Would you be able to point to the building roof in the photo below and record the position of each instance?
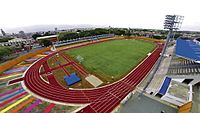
(17, 40)
(46, 37)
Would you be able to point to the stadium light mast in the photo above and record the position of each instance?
(172, 23)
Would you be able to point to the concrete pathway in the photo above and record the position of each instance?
(144, 104)
(196, 99)
(156, 83)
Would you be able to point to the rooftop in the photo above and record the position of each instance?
(138, 102)
(46, 37)
(179, 90)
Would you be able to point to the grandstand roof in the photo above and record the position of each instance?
(46, 37)
(188, 49)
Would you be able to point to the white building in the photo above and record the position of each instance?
(17, 41)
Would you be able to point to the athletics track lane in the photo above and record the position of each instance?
(107, 97)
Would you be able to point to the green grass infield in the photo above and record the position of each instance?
(113, 59)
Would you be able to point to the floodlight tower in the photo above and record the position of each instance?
(172, 23)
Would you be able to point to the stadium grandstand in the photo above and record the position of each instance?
(51, 37)
(185, 61)
(188, 49)
(178, 74)
(58, 43)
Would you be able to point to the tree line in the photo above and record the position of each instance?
(6, 51)
(175, 36)
(79, 33)
(5, 39)
(97, 31)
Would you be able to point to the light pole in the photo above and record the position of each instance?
(172, 23)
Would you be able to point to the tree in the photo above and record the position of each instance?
(67, 35)
(159, 37)
(48, 33)
(34, 36)
(5, 39)
(128, 33)
(118, 31)
(74, 35)
(5, 51)
(177, 35)
(45, 42)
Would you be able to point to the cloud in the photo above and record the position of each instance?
(121, 13)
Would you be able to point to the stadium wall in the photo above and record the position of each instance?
(11, 63)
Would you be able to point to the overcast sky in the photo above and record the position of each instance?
(116, 13)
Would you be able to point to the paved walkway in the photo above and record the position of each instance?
(156, 83)
(196, 99)
(144, 104)
(15, 55)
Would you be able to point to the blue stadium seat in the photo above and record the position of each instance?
(188, 49)
(165, 86)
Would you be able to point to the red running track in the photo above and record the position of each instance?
(76, 65)
(62, 67)
(55, 68)
(50, 76)
(100, 100)
(48, 109)
(15, 80)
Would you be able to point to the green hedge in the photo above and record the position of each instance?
(5, 39)
(5, 51)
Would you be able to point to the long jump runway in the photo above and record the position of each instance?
(100, 100)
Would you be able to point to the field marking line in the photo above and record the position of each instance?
(49, 108)
(10, 76)
(9, 92)
(29, 109)
(12, 99)
(22, 105)
(12, 95)
(15, 104)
